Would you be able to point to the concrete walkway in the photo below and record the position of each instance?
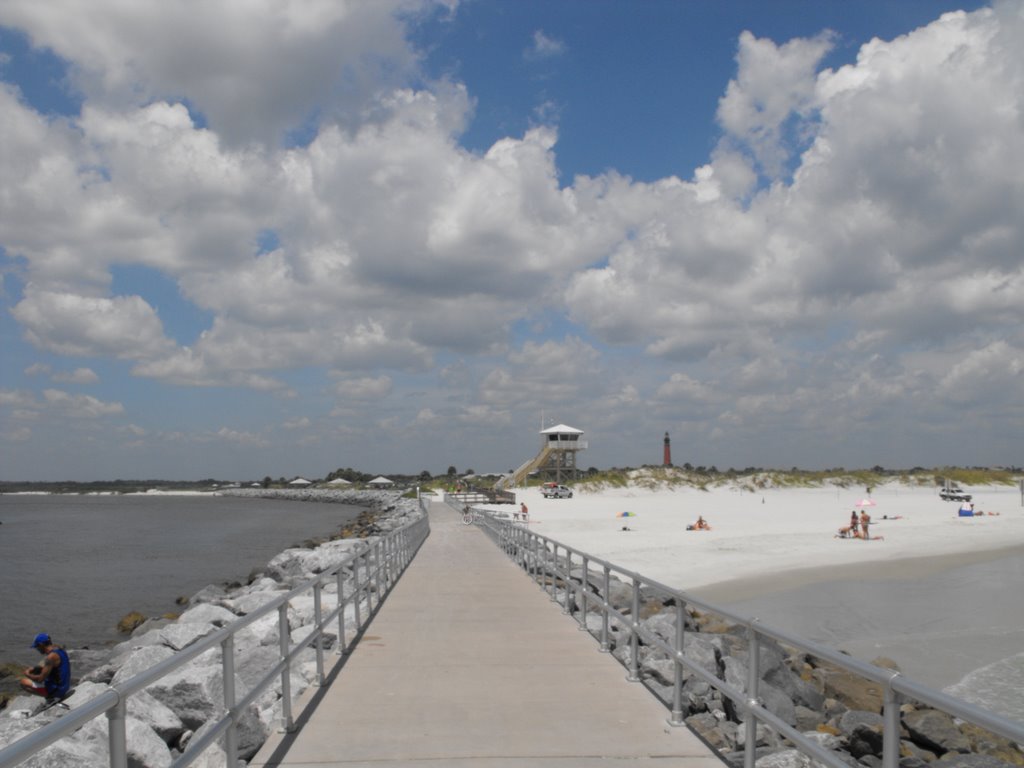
(469, 663)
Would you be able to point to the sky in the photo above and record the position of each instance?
(282, 237)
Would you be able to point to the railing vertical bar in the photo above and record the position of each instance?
(891, 727)
(634, 639)
(583, 592)
(605, 605)
(567, 583)
(357, 591)
(753, 676)
(341, 612)
(287, 724)
(227, 665)
(117, 734)
(318, 627)
(677, 682)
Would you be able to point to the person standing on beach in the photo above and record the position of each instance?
(865, 521)
(52, 678)
(524, 512)
(854, 524)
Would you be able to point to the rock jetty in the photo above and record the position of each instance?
(163, 719)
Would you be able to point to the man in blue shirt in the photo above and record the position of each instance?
(52, 678)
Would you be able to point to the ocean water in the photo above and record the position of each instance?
(959, 629)
(1001, 682)
(74, 565)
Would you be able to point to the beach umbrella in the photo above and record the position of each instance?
(866, 503)
(626, 514)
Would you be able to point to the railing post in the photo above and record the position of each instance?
(341, 612)
(319, 629)
(116, 735)
(287, 724)
(389, 559)
(753, 677)
(552, 568)
(677, 683)
(634, 640)
(583, 592)
(227, 665)
(605, 606)
(357, 597)
(378, 577)
(567, 583)
(891, 726)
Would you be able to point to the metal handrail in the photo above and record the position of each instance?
(376, 566)
(541, 555)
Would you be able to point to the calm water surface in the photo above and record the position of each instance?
(74, 565)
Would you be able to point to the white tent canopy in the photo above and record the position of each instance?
(381, 481)
(338, 481)
(300, 481)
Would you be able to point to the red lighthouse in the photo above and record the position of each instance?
(668, 451)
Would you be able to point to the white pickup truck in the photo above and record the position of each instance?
(954, 494)
(552, 491)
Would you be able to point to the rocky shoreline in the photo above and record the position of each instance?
(840, 711)
(164, 718)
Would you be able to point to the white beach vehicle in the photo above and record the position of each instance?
(553, 491)
(951, 493)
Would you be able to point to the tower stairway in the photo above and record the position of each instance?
(518, 477)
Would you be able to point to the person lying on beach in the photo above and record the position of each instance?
(700, 525)
(979, 513)
(848, 532)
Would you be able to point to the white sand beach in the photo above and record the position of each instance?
(766, 536)
(931, 589)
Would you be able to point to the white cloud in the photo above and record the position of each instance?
(77, 376)
(254, 70)
(18, 435)
(773, 83)
(80, 406)
(16, 398)
(365, 388)
(124, 327)
(543, 46)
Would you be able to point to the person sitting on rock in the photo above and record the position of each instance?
(52, 678)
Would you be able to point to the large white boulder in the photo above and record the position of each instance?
(139, 660)
(209, 613)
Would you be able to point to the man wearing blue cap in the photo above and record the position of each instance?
(52, 678)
